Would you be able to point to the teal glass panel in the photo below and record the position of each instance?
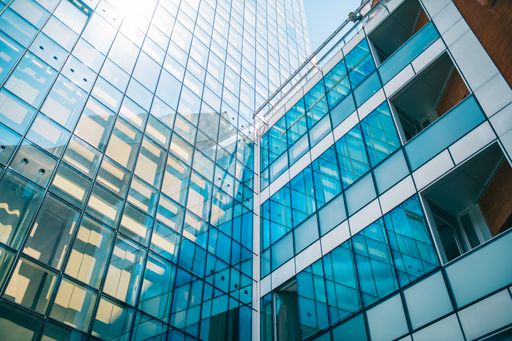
(359, 63)
(391, 171)
(352, 157)
(11, 52)
(312, 300)
(19, 200)
(337, 84)
(327, 180)
(380, 134)
(14, 112)
(156, 293)
(374, 262)
(412, 247)
(332, 214)
(342, 110)
(281, 251)
(280, 213)
(367, 88)
(302, 196)
(418, 43)
(443, 132)
(9, 140)
(352, 330)
(306, 233)
(17, 28)
(296, 122)
(341, 283)
(360, 194)
(31, 80)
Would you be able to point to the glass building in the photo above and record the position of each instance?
(385, 189)
(183, 169)
(126, 163)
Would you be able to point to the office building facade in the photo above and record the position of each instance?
(385, 181)
(126, 177)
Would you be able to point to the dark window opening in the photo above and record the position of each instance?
(472, 204)
(429, 96)
(402, 24)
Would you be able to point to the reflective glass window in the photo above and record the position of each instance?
(359, 63)
(352, 157)
(17, 324)
(124, 273)
(151, 162)
(30, 285)
(52, 232)
(375, 269)
(165, 242)
(31, 80)
(11, 52)
(95, 124)
(112, 320)
(82, 156)
(104, 206)
(380, 134)
(15, 113)
(302, 196)
(33, 163)
(136, 224)
(70, 185)
(156, 292)
(9, 140)
(73, 305)
(326, 177)
(64, 103)
(17, 27)
(88, 257)
(337, 83)
(124, 144)
(48, 135)
(13, 226)
(176, 179)
(113, 177)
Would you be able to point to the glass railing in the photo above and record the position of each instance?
(408, 52)
(449, 128)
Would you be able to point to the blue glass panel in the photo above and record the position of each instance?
(341, 111)
(316, 103)
(280, 213)
(359, 63)
(332, 214)
(367, 88)
(298, 149)
(352, 157)
(360, 194)
(337, 83)
(413, 251)
(326, 177)
(380, 135)
(156, 293)
(407, 52)
(375, 269)
(391, 171)
(281, 251)
(302, 196)
(341, 283)
(449, 128)
(306, 233)
(16, 27)
(296, 122)
(11, 52)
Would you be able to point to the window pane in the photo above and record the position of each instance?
(95, 124)
(150, 162)
(52, 232)
(156, 294)
(136, 224)
(15, 113)
(31, 80)
(73, 305)
(143, 196)
(30, 285)
(25, 202)
(326, 176)
(124, 144)
(112, 320)
(11, 51)
(48, 135)
(82, 156)
(113, 177)
(9, 140)
(124, 271)
(6, 259)
(64, 103)
(16, 324)
(91, 247)
(165, 242)
(352, 156)
(380, 134)
(71, 185)
(33, 163)
(176, 179)
(104, 206)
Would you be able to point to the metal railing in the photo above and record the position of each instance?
(319, 57)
